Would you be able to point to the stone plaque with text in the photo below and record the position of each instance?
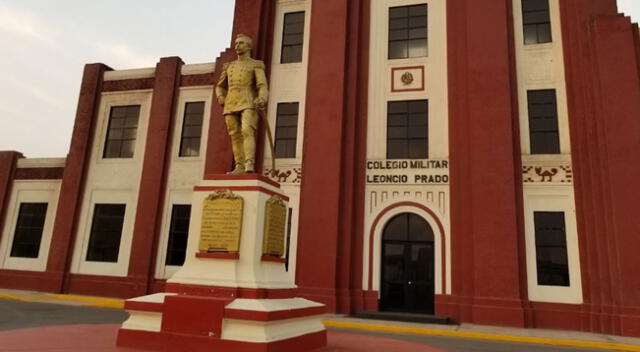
(221, 222)
(275, 218)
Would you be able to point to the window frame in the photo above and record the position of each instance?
(546, 24)
(22, 231)
(299, 56)
(89, 257)
(544, 274)
(172, 234)
(279, 129)
(183, 138)
(111, 129)
(541, 145)
(407, 154)
(408, 30)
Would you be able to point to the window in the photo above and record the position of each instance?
(178, 234)
(536, 21)
(551, 248)
(408, 31)
(121, 134)
(292, 37)
(543, 122)
(407, 130)
(106, 230)
(26, 241)
(286, 130)
(192, 129)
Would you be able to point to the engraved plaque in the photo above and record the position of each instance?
(221, 222)
(275, 218)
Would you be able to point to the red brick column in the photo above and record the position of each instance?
(319, 238)
(484, 187)
(603, 91)
(8, 161)
(157, 156)
(72, 186)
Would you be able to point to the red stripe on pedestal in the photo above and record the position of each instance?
(241, 314)
(240, 189)
(270, 258)
(256, 177)
(238, 292)
(231, 256)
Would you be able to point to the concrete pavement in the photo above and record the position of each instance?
(343, 323)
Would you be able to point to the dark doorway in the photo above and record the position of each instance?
(407, 280)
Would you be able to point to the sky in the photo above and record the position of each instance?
(45, 44)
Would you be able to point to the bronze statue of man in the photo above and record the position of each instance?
(242, 90)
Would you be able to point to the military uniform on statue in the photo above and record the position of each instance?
(242, 89)
(233, 291)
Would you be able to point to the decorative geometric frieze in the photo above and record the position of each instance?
(547, 173)
(291, 174)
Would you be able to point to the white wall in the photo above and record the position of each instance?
(384, 75)
(184, 172)
(112, 181)
(29, 191)
(288, 84)
(541, 66)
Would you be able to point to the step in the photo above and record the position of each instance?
(404, 317)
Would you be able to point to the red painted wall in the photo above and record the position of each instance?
(485, 264)
(603, 88)
(157, 155)
(319, 219)
(8, 161)
(73, 179)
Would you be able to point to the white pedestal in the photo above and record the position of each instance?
(227, 301)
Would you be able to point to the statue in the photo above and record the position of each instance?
(243, 92)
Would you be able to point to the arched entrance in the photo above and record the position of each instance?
(407, 277)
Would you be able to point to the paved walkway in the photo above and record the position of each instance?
(464, 331)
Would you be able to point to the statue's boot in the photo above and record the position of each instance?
(238, 153)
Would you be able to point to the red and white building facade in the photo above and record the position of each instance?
(475, 160)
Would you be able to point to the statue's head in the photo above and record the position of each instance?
(243, 44)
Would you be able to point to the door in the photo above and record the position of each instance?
(407, 282)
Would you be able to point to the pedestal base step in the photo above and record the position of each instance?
(405, 317)
(174, 322)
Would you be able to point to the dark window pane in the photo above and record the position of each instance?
(28, 234)
(397, 228)
(551, 249)
(407, 130)
(292, 37)
(543, 122)
(536, 21)
(408, 31)
(400, 34)
(419, 229)
(417, 47)
(178, 234)
(286, 130)
(106, 231)
(544, 33)
(192, 129)
(122, 132)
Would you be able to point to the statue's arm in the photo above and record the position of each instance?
(222, 85)
(261, 83)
